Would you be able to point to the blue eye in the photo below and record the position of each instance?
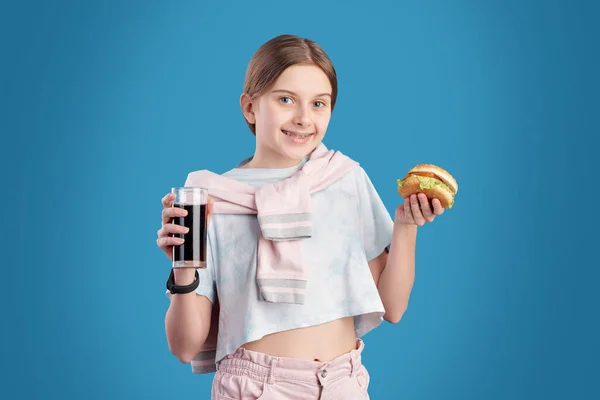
(284, 98)
(321, 104)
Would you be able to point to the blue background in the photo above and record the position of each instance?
(106, 105)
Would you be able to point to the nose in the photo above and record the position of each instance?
(302, 117)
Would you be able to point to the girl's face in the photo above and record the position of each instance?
(291, 118)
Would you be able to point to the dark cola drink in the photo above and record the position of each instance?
(192, 253)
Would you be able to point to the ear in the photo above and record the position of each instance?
(247, 108)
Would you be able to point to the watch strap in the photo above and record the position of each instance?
(175, 289)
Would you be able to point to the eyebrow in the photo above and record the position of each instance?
(295, 94)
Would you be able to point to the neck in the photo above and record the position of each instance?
(260, 160)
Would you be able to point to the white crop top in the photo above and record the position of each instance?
(351, 226)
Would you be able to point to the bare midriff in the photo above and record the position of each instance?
(321, 342)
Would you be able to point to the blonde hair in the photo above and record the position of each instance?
(280, 53)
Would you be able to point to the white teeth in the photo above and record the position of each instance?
(295, 135)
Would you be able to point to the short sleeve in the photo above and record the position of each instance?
(377, 225)
(207, 285)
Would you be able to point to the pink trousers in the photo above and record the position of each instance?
(249, 375)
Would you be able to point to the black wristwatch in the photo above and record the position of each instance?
(174, 289)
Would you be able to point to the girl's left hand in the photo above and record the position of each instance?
(416, 210)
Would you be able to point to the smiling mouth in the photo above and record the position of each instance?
(297, 135)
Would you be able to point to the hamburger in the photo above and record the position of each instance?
(433, 181)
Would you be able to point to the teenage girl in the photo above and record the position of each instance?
(358, 263)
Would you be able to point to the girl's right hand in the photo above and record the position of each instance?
(165, 239)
